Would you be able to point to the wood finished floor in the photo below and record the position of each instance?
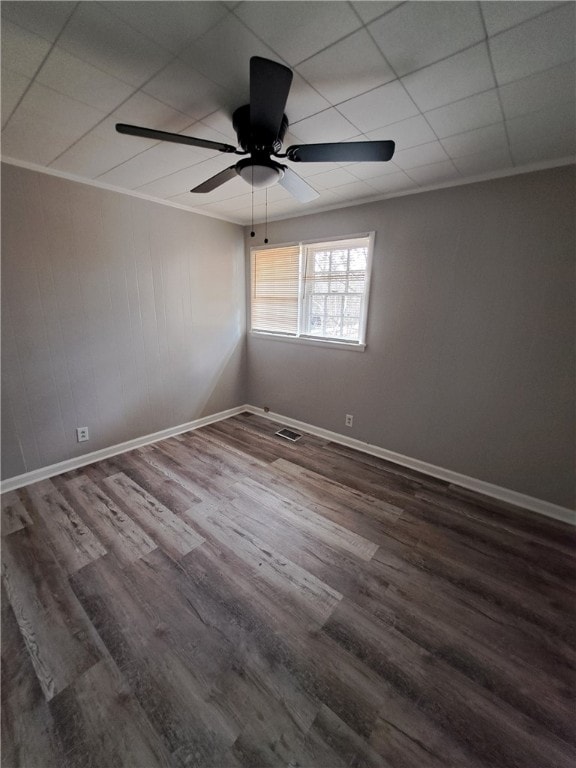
(225, 598)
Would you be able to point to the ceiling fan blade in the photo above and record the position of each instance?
(342, 152)
(269, 87)
(177, 138)
(297, 187)
(216, 181)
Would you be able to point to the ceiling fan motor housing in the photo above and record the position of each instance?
(250, 138)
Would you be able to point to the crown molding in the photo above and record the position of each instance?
(504, 173)
(110, 188)
(540, 166)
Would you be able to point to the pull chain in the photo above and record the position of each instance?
(266, 218)
(252, 233)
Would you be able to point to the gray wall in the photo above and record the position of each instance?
(118, 314)
(470, 356)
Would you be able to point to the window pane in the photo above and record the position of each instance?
(337, 286)
(339, 261)
(352, 306)
(319, 286)
(322, 261)
(356, 285)
(358, 258)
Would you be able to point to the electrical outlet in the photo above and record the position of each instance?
(349, 420)
(82, 434)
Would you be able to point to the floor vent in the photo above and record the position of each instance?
(288, 434)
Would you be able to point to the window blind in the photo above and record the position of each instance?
(275, 289)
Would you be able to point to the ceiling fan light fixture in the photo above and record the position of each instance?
(261, 175)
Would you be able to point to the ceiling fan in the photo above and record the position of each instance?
(260, 127)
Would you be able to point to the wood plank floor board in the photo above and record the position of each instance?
(54, 627)
(160, 522)
(201, 485)
(448, 697)
(225, 599)
(14, 514)
(73, 543)
(499, 542)
(468, 648)
(433, 580)
(339, 569)
(423, 595)
(362, 478)
(555, 620)
(215, 596)
(549, 593)
(99, 702)
(299, 591)
(28, 733)
(521, 522)
(320, 527)
(171, 691)
(117, 530)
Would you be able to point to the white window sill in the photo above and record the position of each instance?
(326, 343)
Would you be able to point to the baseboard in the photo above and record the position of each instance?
(455, 478)
(44, 473)
(480, 486)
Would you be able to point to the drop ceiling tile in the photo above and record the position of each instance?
(81, 81)
(544, 90)
(325, 126)
(329, 179)
(425, 154)
(303, 100)
(283, 208)
(491, 138)
(384, 105)
(306, 170)
(201, 131)
(417, 34)
(45, 124)
(173, 25)
(22, 51)
(152, 164)
(466, 114)
(367, 171)
(93, 155)
(102, 149)
(141, 109)
(543, 135)
(406, 133)
(103, 40)
(223, 56)
(186, 90)
(13, 87)
(504, 14)
(393, 182)
(356, 190)
(528, 48)
(434, 173)
(296, 31)
(368, 10)
(348, 68)
(463, 74)
(221, 121)
(235, 188)
(182, 181)
(483, 162)
(42, 18)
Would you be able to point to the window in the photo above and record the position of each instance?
(312, 290)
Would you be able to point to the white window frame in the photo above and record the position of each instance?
(302, 338)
